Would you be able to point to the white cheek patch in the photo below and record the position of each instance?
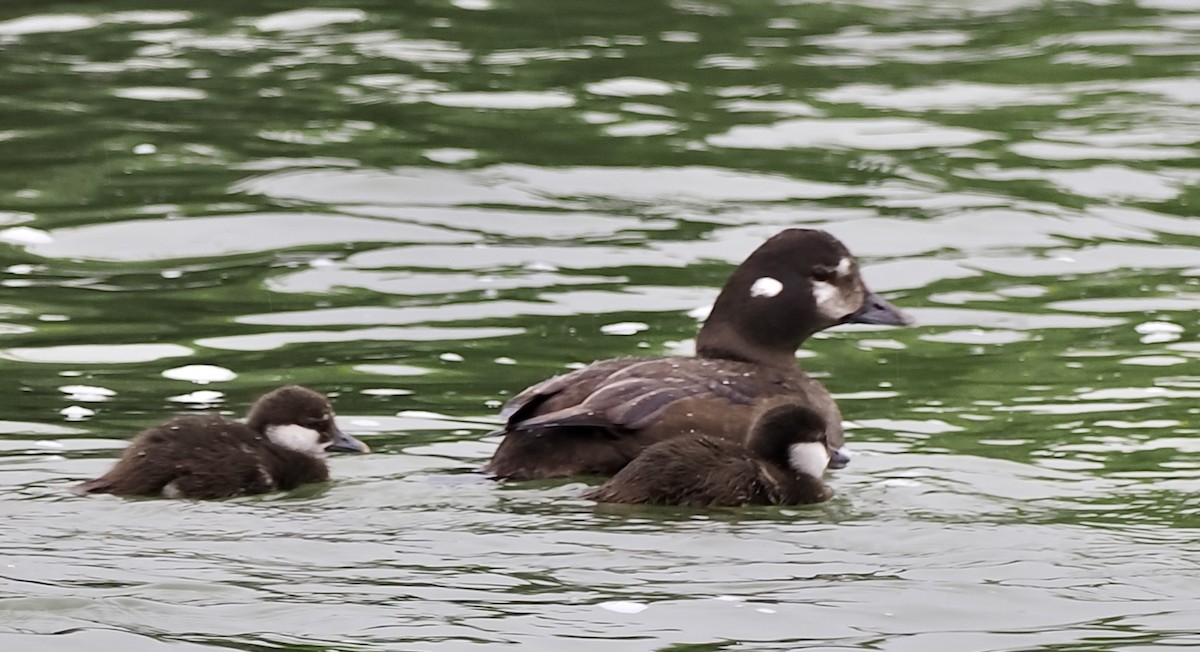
(824, 293)
(297, 438)
(809, 458)
(831, 301)
(843, 267)
(766, 287)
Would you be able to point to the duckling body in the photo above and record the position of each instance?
(780, 463)
(597, 419)
(281, 447)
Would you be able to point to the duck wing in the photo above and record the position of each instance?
(628, 404)
(563, 390)
(633, 402)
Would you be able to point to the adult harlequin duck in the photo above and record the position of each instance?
(280, 447)
(596, 419)
(780, 463)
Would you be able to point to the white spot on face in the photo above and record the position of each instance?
(766, 287)
(843, 267)
(831, 302)
(297, 438)
(824, 293)
(809, 458)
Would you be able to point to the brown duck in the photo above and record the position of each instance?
(597, 419)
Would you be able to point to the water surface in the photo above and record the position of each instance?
(423, 208)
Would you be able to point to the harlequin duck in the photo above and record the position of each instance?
(280, 447)
(598, 418)
(780, 463)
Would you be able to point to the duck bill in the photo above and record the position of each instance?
(343, 443)
(876, 310)
(839, 458)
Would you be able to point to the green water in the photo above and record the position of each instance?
(422, 207)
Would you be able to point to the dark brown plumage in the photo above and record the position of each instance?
(596, 419)
(207, 456)
(767, 469)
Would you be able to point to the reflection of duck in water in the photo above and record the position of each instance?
(280, 447)
(781, 463)
(595, 420)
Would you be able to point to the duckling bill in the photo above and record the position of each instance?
(781, 463)
(280, 447)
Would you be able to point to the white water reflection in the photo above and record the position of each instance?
(522, 185)
(87, 393)
(643, 129)
(1155, 360)
(416, 283)
(1077, 408)
(509, 100)
(956, 97)
(778, 107)
(24, 235)
(429, 54)
(201, 398)
(160, 93)
(632, 87)
(1093, 260)
(97, 354)
(977, 336)
(38, 429)
(46, 23)
(867, 134)
(203, 237)
(701, 184)
(861, 38)
(270, 341)
(513, 223)
(450, 155)
(1115, 181)
(410, 186)
(201, 374)
(1052, 151)
(307, 19)
(490, 258)
(580, 302)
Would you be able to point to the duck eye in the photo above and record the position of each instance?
(824, 273)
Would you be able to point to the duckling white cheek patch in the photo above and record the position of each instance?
(809, 458)
(766, 287)
(298, 438)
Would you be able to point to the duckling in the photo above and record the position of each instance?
(280, 447)
(781, 463)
